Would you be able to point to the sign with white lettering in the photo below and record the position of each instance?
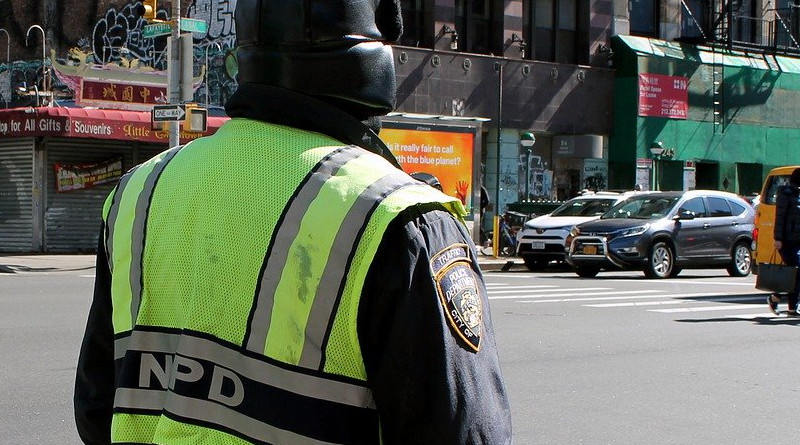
(82, 176)
(663, 96)
(166, 113)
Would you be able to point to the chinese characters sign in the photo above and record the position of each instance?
(81, 176)
(121, 95)
(663, 96)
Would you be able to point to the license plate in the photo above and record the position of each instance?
(590, 250)
(538, 245)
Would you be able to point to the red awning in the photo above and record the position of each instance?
(91, 123)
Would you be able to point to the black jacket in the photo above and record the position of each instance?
(787, 214)
(429, 386)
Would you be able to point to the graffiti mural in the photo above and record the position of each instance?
(118, 35)
(215, 48)
(219, 16)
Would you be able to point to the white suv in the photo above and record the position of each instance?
(542, 239)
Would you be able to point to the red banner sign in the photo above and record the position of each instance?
(95, 124)
(82, 176)
(663, 96)
(121, 95)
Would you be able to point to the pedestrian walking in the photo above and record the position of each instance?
(787, 237)
(282, 281)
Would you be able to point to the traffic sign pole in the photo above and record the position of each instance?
(174, 72)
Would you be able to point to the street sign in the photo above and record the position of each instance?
(193, 25)
(166, 113)
(156, 29)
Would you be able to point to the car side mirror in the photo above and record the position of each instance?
(684, 214)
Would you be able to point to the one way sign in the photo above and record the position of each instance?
(166, 113)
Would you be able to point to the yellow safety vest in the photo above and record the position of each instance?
(237, 265)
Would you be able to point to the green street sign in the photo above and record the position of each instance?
(156, 29)
(194, 25)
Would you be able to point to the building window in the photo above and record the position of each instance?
(566, 40)
(553, 35)
(543, 30)
(694, 23)
(412, 23)
(745, 23)
(786, 27)
(643, 17)
(474, 25)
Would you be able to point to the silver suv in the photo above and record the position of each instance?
(662, 233)
(541, 239)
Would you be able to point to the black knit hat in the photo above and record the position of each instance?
(332, 50)
(794, 179)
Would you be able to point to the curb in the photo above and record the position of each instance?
(499, 265)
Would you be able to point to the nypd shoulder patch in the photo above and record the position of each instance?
(459, 293)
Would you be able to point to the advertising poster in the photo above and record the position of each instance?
(82, 176)
(446, 155)
(663, 96)
(595, 174)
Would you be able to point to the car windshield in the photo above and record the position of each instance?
(583, 207)
(643, 207)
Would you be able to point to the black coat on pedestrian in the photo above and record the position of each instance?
(787, 214)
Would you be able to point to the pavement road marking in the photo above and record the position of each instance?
(494, 296)
(678, 280)
(701, 309)
(506, 287)
(667, 302)
(660, 295)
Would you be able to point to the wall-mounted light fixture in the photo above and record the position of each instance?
(8, 45)
(515, 38)
(44, 58)
(446, 29)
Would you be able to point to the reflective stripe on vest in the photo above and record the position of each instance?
(215, 383)
(306, 231)
(131, 220)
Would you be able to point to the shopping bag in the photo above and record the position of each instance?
(778, 278)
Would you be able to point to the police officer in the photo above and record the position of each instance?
(282, 281)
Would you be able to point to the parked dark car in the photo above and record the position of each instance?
(662, 233)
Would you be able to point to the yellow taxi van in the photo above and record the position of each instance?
(763, 241)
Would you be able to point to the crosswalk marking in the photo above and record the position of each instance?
(530, 293)
(660, 295)
(668, 302)
(727, 307)
(682, 281)
(552, 289)
(512, 288)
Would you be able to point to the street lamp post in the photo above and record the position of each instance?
(527, 140)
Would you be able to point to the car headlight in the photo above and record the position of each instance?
(575, 231)
(634, 231)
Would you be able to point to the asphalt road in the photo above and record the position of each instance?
(612, 360)
(620, 359)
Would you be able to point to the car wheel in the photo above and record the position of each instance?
(675, 272)
(587, 271)
(660, 261)
(534, 264)
(741, 259)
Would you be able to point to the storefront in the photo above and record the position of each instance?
(57, 165)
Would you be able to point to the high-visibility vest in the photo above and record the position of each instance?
(237, 265)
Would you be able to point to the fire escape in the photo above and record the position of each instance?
(733, 25)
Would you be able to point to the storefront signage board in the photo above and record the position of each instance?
(663, 96)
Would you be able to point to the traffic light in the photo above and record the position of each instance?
(150, 9)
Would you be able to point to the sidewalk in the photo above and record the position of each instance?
(13, 263)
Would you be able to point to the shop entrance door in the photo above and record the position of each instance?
(671, 175)
(707, 176)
